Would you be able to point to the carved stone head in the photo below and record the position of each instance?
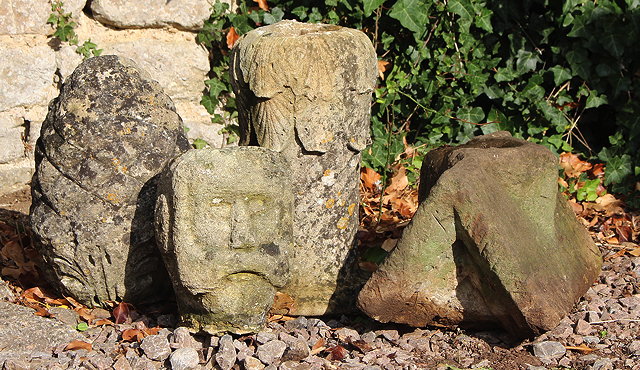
(304, 83)
(224, 226)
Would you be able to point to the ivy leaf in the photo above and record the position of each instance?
(473, 115)
(483, 20)
(526, 61)
(215, 87)
(463, 8)
(617, 169)
(273, 17)
(209, 103)
(560, 74)
(371, 5)
(200, 143)
(594, 100)
(412, 15)
(611, 42)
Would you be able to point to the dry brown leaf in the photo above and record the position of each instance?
(610, 205)
(363, 346)
(576, 207)
(282, 304)
(383, 65)
(563, 183)
(337, 353)
(597, 170)
(581, 348)
(263, 5)
(85, 314)
(101, 322)
(368, 266)
(76, 345)
(635, 252)
(399, 181)
(318, 347)
(389, 244)
(13, 251)
(34, 293)
(73, 302)
(232, 37)
(572, 165)
(122, 313)
(370, 178)
(132, 335)
(152, 331)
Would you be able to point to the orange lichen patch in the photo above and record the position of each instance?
(125, 131)
(118, 167)
(112, 197)
(326, 172)
(343, 222)
(327, 139)
(351, 209)
(330, 203)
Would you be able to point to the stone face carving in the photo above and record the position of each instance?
(223, 222)
(305, 90)
(106, 137)
(492, 242)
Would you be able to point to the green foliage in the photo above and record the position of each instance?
(563, 74)
(83, 326)
(65, 31)
(199, 144)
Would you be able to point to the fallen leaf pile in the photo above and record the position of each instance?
(610, 224)
(18, 257)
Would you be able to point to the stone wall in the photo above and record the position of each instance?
(159, 35)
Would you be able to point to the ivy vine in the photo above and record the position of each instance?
(563, 74)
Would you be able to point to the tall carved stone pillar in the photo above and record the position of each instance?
(305, 90)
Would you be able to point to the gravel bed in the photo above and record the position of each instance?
(604, 329)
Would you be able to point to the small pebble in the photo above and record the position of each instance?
(271, 351)
(297, 348)
(252, 363)
(226, 356)
(185, 358)
(347, 335)
(156, 347)
(265, 336)
(299, 323)
(181, 338)
(390, 335)
(548, 350)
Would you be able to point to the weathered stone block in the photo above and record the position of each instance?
(223, 222)
(30, 17)
(492, 241)
(26, 76)
(14, 174)
(305, 90)
(183, 14)
(11, 133)
(106, 137)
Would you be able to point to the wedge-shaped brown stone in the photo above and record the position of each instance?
(493, 241)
